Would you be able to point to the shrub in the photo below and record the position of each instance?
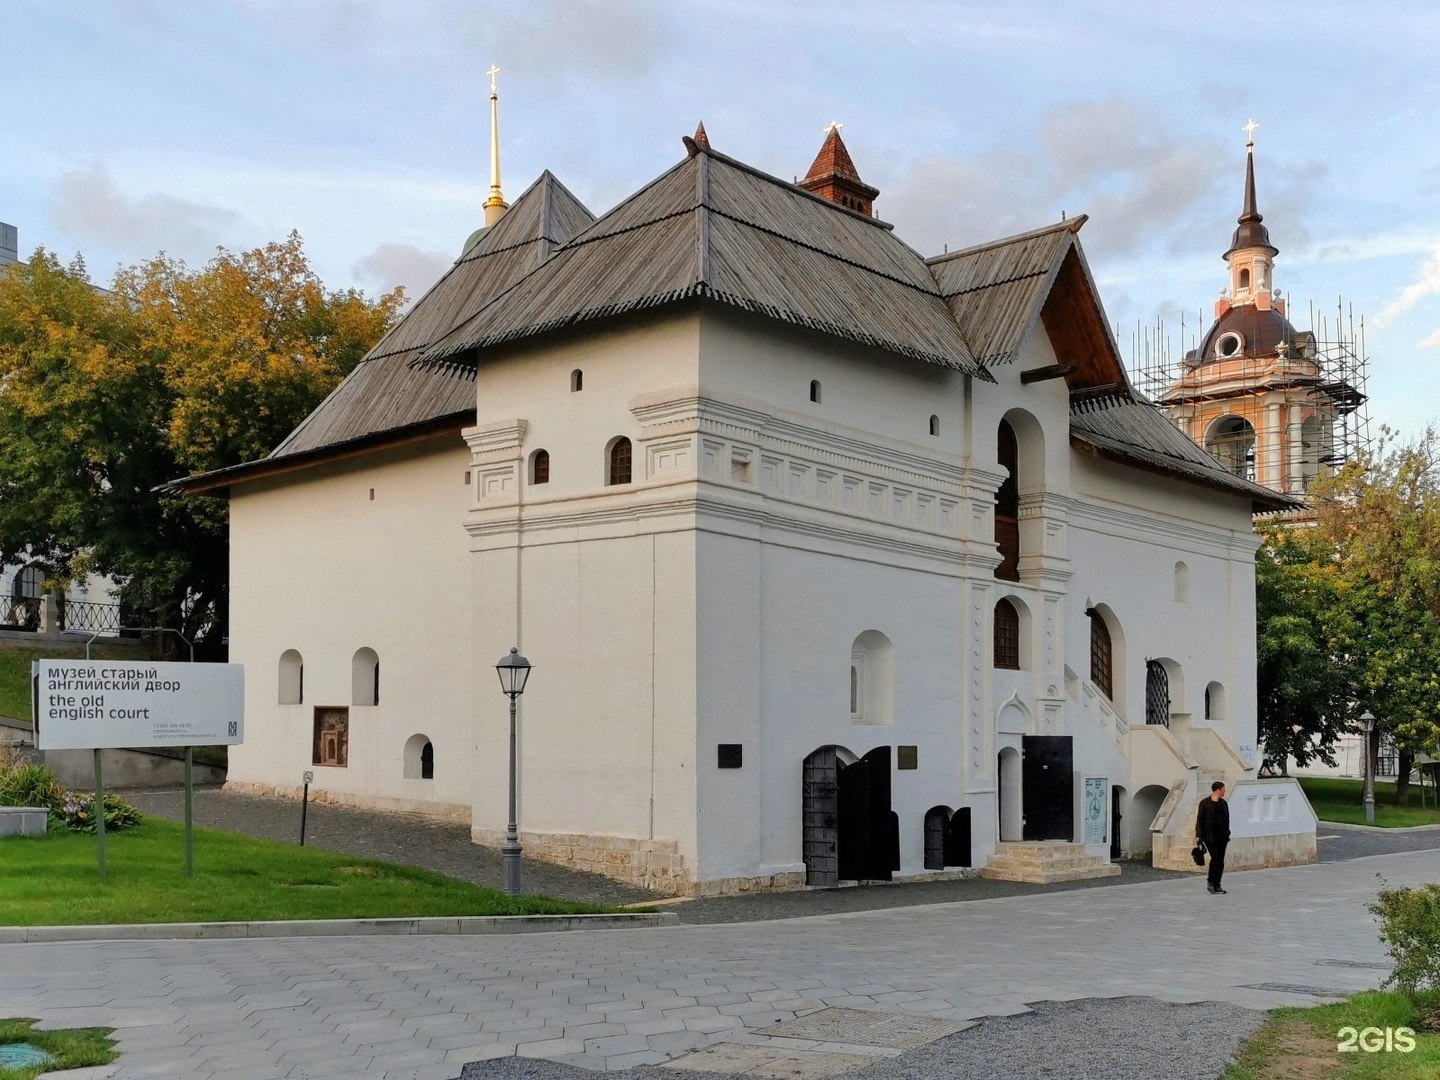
(24, 783)
(78, 812)
(1410, 927)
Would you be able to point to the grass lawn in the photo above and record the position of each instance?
(72, 1048)
(1343, 800)
(15, 669)
(1302, 1043)
(52, 881)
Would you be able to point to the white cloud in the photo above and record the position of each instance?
(1427, 283)
(89, 204)
(403, 264)
(1430, 342)
(1140, 178)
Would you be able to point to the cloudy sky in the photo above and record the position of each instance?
(132, 126)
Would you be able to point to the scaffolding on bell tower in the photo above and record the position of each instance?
(1281, 415)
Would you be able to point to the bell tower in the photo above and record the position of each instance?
(1260, 395)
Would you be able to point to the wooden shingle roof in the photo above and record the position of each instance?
(715, 229)
(386, 392)
(995, 290)
(1125, 427)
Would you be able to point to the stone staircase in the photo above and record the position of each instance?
(1044, 862)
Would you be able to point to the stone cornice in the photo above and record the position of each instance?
(498, 436)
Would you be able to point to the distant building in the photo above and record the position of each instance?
(1276, 405)
(9, 244)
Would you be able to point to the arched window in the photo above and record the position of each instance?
(815, 391)
(1245, 279)
(1232, 440)
(1215, 701)
(1182, 583)
(365, 678)
(617, 469)
(872, 679)
(934, 425)
(419, 758)
(1101, 655)
(540, 467)
(577, 381)
(1007, 636)
(1007, 505)
(292, 678)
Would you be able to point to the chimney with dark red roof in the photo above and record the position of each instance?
(832, 176)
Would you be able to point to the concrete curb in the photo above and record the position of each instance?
(476, 924)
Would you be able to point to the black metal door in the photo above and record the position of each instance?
(820, 809)
(869, 831)
(1047, 780)
(957, 838)
(1115, 823)
(937, 824)
(1157, 693)
(884, 822)
(854, 821)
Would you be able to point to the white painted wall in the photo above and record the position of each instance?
(318, 566)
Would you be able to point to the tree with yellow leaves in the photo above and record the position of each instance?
(107, 394)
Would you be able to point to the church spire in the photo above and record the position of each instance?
(833, 175)
(495, 205)
(1251, 232)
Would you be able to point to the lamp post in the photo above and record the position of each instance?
(513, 670)
(1369, 718)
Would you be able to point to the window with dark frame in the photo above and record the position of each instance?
(1101, 655)
(1007, 505)
(619, 462)
(540, 467)
(1007, 636)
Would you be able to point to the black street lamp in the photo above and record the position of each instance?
(513, 670)
(1369, 718)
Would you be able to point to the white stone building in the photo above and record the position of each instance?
(833, 562)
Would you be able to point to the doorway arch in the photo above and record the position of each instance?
(1143, 807)
(820, 813)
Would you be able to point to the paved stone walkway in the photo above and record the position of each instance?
(419, 1008)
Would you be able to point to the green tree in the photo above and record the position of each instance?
(1303, 687)
(1377, 533)
(109, 394)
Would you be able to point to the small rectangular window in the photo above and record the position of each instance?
(907, 757)
(728, 755)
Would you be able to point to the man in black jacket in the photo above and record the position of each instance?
(1212, 828)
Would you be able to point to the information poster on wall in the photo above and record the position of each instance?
(102, 704)
(1093, 810)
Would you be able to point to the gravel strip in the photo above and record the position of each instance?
(1095, 1039)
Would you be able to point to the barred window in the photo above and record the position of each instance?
(540, 467)
(1101, 655)
(619, 465)
(1007, 636)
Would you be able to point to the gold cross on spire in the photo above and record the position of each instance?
(1249, 130)
(494, 70)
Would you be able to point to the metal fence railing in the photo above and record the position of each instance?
(21, 614)
(82, 615)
